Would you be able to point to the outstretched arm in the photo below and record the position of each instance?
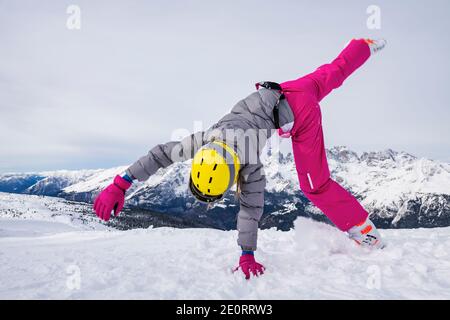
(252, 183)
(251, 198)
(163, 155)
(331, 76)
(113, 197)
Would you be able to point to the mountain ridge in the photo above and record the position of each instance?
(398, 189)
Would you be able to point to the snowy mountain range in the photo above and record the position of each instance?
(398, 189)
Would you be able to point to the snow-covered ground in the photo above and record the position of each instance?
(44, 256)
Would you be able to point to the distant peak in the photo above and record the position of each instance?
(342, 154)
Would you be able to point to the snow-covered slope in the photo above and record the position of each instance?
(43, 256)
(47, 210)
(81, 215)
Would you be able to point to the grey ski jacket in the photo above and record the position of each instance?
(246, 128)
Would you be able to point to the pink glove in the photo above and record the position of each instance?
(112, 198)
(248, 264)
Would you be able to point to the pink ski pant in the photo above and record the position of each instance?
(304, 95)
(334, 201)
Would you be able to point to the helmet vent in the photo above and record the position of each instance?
(215, 167)
(209, 191)
(210, 179)
(198, 174)
(201, 162)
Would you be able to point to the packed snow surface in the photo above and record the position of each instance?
(44, 256)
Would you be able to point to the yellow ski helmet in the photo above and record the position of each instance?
(215, 169)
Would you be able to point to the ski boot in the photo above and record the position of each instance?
(366, 235)
(375, 45)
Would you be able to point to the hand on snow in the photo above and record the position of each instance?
(248, 265)
(375, 45)
(112, 198)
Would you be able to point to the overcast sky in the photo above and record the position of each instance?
(103, 95)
